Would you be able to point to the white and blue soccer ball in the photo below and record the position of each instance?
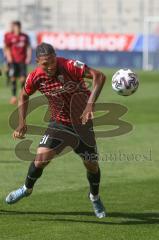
(125, 82)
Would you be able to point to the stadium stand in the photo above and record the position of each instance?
(124, 16)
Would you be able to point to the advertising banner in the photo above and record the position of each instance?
(88, 41)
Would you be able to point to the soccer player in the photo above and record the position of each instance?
(5, 53)
(71, 105)
(18, 54)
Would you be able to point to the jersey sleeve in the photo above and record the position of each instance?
(76, 68)
(29, 86)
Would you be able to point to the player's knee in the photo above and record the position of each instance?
(13, 79)
(91, 166)
(41, 163)
(22, 79)
(43, 157)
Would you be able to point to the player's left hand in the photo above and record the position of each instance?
(87, 113)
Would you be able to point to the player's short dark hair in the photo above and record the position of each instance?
(17, 23)
(44, 49)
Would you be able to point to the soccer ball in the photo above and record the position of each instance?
(125, 82)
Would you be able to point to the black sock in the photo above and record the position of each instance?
(33, 174)
(94, 181)
(14, 88)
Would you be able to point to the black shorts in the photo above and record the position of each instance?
(80, 138)
(17, 70)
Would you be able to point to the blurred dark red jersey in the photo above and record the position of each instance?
(18, 46)
(67, 91)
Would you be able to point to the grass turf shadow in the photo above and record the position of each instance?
(127, 218)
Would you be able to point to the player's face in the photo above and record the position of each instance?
(16, 29)
(48, 63)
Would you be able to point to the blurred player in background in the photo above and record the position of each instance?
(71, 106)
(18, 54)
(5, 49)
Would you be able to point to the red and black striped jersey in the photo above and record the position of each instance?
(67, 91)
(18, 45)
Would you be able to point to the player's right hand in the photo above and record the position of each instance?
(20, 132)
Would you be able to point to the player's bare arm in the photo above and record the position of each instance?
(98, 82)
(29, 54)
(7, 54)
(22, 107)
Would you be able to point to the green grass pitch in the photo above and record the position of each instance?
(59, 208)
